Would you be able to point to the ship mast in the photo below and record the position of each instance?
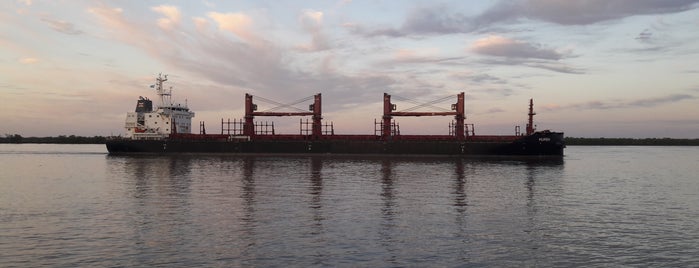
(162, 93)
(530, 124)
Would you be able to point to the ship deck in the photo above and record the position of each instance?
(349, 137)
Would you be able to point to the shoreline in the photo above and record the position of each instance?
(571, 141)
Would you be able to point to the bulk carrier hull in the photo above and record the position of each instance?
(167, 130)
(537, 144)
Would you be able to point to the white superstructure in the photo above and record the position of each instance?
(166, 119)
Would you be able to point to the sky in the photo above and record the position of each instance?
(595, 68)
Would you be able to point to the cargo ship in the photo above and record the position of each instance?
(167, 128)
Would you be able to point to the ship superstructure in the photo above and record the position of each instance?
(146, 123)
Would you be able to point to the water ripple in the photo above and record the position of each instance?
(601, 206)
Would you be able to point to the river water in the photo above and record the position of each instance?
(75, 205)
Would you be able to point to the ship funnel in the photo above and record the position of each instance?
(144, 105)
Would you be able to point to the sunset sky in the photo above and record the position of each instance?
(595, 68)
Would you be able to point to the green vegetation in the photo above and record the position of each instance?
(630, 141)
(62, 139)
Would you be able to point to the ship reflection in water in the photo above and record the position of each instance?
(327, 210)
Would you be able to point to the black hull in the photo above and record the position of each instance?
(537, 144)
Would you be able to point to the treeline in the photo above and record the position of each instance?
(630, 141)
(62, 139)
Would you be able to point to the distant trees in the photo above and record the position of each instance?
(13, 138)
(630, 141)
(62, 139)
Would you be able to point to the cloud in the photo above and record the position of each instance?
(410, 56)
(62, 26)
(640, 103)
(236, 23)
(581, 12)
(438, 19)
(201, 24)
(503, 91)
(172, 16)
(478, 78)
(28, 60)
(650, 102)
(494, 110)
(505, 47)
(312, 22)
(554, 66)
(113, 20)
(422, 20)
(661, 36)
(312, 18)
(136, 34)
(645, 35)
(244, 61)
(435, 20)
(361, 30)
(486, 78)
(507, 51)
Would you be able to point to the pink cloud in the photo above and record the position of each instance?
(28, 60)
(110, 17)
(495, 45)
(172, 16)
(236, 23)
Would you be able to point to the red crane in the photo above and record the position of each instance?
(458, 112)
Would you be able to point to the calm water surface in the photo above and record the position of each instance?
(74, 205)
